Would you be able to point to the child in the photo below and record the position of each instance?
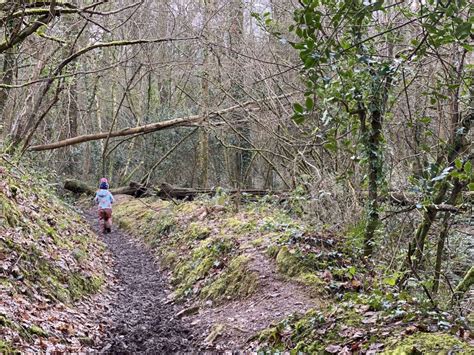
(104, 199)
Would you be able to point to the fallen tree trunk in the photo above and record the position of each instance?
(189, 121)
(134, 189)
(79, 187)
(165, 191)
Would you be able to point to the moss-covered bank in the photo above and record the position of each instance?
(205, 243)
(48, 258)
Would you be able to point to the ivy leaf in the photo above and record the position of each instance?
(390, 281)
(298, 118)
(298, 108)
(40, 31)
(309, 104)
(468, 168)
(468, 47)
(463, 30)
(471, 186)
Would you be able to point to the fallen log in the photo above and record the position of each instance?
(134, 189)
(165, 190)
(78, 187)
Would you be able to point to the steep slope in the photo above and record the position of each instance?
(49, 261)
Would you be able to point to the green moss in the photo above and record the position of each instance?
(239, 225)
(145, 219)
(186, 208)
(123, 224)
(164, 225)
(79, 285)
(352, 318)
(198, 231)
(258, 241)
(188, 273)
(236, 282)
(6, 348)
(56, 283)
(299, 267)
(272, 337)
(278, 222)
(429, 343)
(288, 263)
(197, 265)
(301, 332)
(169, 259)
(312, 280)
(79, 254)
(9, 214)
(272, 251)
(36, 330)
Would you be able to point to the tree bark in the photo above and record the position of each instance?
(457, 145)
(465, 283)
(457, 189)
(203, 146)
(374, 149)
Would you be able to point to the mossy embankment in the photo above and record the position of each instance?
(49, 259)
(208, 247)
(210, 251)
(200, 243)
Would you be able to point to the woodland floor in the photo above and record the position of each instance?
(141, 317)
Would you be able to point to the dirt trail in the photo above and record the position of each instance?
(139, 320)
(240, 320)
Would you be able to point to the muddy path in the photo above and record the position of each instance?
(139, 318)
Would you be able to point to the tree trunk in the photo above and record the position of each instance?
(203, 145)
(457, 189)
(458, 143)
(243, 157)
(374, 143)
(466, 282)
(375, 172)
(8, 71)
(439, 252)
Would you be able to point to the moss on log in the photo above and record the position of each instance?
(466, 282)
